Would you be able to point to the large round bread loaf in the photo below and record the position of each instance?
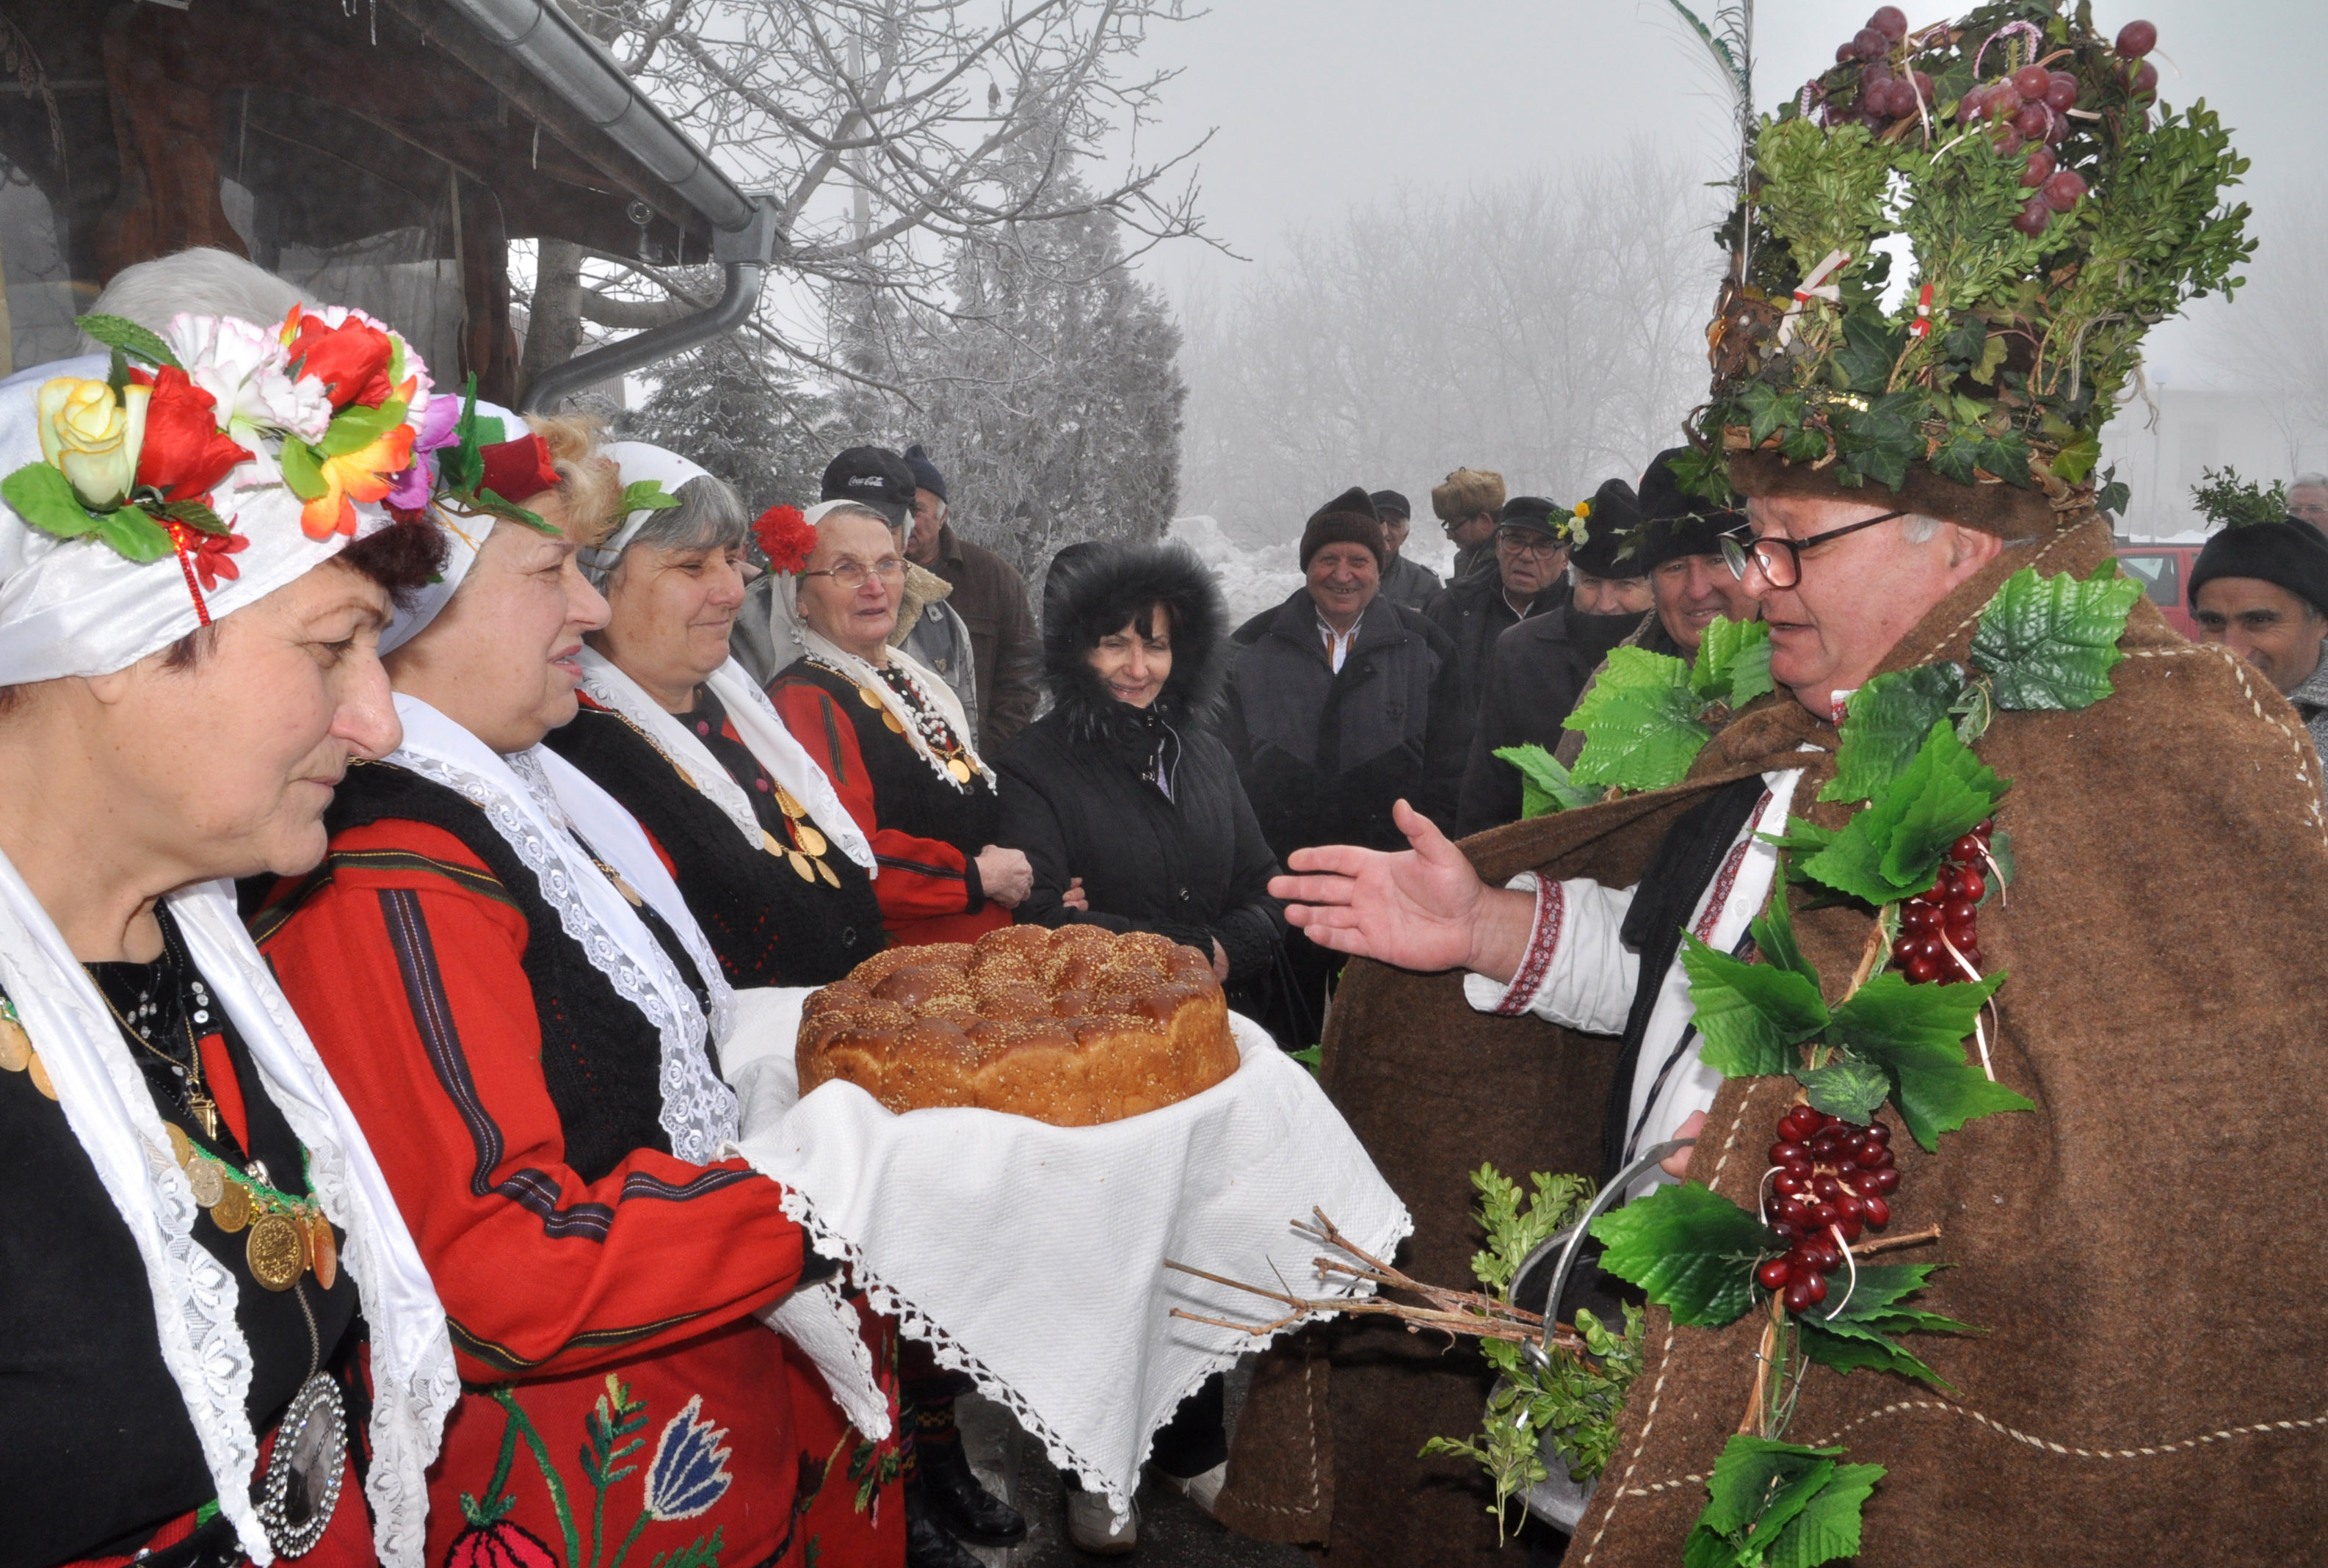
(1072, 1026)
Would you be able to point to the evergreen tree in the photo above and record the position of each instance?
(730, 408)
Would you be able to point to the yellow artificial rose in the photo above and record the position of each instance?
(93, 439)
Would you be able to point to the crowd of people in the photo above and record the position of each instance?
(525, 802)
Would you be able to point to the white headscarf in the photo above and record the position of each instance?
(464, 538)
(638, 460)
(74, 606)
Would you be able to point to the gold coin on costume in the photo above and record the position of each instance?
(276, 1250)
(208, 1181)
(959, 768)
(825, 871)
(789, 806)
(627, 890)
(232, 1212)
(40, 1075)
(15, 1046)
(890, 720)
(868, 696)
(800, 864)
(324, 1248)
(812, 843)
(182, 1147)
(771, 843)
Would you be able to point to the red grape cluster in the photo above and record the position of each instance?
(1947, 915)
(1886, 92)
(1833, 1179)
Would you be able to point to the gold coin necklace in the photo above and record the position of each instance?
(946, 749)
(16, 1052)
(805, 854)
(282, 1231)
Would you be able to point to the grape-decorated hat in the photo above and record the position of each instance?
(2051, 211)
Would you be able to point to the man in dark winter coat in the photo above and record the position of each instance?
(989, 596)
(1540, 667)
(1122, 785)
(1527, 576)
(1682, 550)
(1404, 581)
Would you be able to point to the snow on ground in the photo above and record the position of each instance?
(1255, 580)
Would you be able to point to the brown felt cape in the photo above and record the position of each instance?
(2147, 1251)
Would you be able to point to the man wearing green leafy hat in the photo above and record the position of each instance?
(1998, 1242)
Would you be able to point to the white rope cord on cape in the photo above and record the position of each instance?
(110, 1110)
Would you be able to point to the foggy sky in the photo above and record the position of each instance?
(1317, 104)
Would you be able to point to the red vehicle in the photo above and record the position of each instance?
(2163, 570)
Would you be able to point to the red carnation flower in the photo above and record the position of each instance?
(785, 537)
(351, 360)
(517, 471)
(185, 454)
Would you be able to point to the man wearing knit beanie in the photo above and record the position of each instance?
(2261, 590)
(1407, 581)
(1466, 505)
(990, 597)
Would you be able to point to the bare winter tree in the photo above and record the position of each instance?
(1549, 328)
(2273, 340)
(882, 128)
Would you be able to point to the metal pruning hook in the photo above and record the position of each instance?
(1572, 1239)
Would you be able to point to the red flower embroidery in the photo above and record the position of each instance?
(185, 455)
(351, 360)
(785, 537)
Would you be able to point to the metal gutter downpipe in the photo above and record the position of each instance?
(575, 66)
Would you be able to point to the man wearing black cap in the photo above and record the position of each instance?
(1404, 581)
(1526, 578)
(1539, 667)
(989, 596)
(2262, 592)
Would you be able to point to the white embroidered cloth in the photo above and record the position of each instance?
(106, 1101)
(1031, 1256)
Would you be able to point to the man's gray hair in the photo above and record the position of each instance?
(710, 516)
(2314, 481)
(199, 282)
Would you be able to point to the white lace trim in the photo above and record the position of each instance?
(914, 1324)
(699, 1110)
(714, 784)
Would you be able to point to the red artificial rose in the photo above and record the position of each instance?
(785, 537)
(517, 471)
(351, 360)
(185, 454)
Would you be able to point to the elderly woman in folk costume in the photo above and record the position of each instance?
(770, 865)
(190, 660)
(1920, 1103)
(890, 735)
(524, 1013)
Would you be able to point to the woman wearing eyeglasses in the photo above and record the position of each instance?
(891, 737)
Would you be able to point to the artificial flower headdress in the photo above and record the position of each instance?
(2052, 215)
(1574, 526)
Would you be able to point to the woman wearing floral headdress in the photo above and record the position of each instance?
(890, 735)
(189, 613)
(522, 1010)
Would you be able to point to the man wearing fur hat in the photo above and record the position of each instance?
(1467, 503)
(2258, 590)
(1953, 652)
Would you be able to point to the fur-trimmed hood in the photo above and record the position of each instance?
(1094, 592)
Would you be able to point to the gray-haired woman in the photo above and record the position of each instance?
(770, 863)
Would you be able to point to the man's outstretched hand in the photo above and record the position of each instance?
(1422, 908)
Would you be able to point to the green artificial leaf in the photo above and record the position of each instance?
(1827, 1528)
(1308, 1056)
(126, 336)
(1882, 1286)
(1544, 786)
(1743, 1475)
(1847, 1088)
(1916, 1034)
(2051, 643)
(1881, 439)
(2007, 457)
(1733, 661)
(1851, 1346)
(1957, 458)
(116, 378)
(43, 497)
(1774, 937)
(1870, 349)
(1891, 850)
(133, 535)
(2077, 459)
(1992, 357)
(303, 470)
(1693, 1251)
(1639, 723)
(1751, 1015)
(1804, 444)
(194, 515)
(1783, 1503)
(2000, 850)
(494, 504)
(1884, 724)
(645, 495)
(355, 427)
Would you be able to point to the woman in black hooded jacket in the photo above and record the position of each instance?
(1123, 786)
